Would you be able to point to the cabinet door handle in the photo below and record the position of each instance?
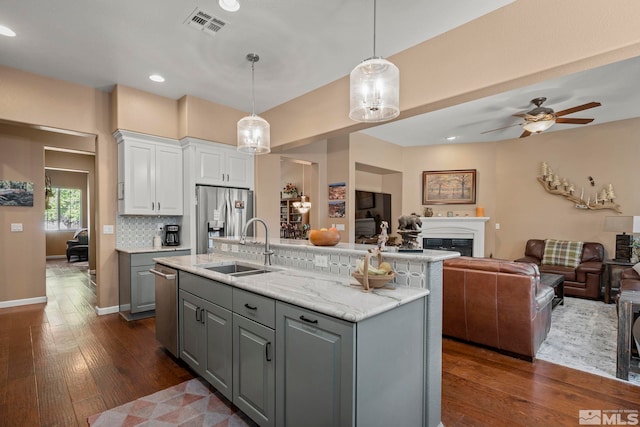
(153, 206)
(250, 307)
(158, 205)
(267, 348)
(227, 177)
(202, 316)
(197, 311)
(308, 320)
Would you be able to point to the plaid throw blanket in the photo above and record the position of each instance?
(562, 252)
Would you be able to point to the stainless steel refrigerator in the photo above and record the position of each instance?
(221, 212)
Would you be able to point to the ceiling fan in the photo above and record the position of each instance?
(542, 118)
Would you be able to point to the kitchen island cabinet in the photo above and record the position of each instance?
(341, 356)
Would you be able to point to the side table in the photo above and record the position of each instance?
(628, 303)
(609, 266)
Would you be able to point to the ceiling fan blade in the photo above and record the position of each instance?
(571, 121)
(525, 134)
(524, 116)
(505, 127)
(578, 108)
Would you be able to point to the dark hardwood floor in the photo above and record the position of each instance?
(60, 363)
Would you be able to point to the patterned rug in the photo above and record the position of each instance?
(583, 336)
(187, 404)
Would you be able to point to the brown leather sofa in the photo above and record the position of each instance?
(582, 281)
(629, 281)
(499, 304)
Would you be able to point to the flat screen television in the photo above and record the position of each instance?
(371, 209)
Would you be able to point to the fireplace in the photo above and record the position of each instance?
(452, 231)
(464, 246)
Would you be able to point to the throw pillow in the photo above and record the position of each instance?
(562, 252)
(636, 267)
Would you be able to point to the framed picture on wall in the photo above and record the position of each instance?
(449, 187)
(16, 193)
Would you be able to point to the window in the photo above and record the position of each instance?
(65, 209)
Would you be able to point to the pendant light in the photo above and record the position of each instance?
(253, 131)
(374, 88)
(302, 206)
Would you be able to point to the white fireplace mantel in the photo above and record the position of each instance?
(456, 228)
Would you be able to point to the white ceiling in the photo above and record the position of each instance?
(303, 45)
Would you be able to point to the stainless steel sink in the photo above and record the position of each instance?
(235, 269)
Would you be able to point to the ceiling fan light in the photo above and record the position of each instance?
(302, 206)
(229, 5)
(374, 89)
(538, 126)
(254, 135)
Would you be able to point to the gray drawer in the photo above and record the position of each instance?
(210, 290)
(255, 307)
(146, 258)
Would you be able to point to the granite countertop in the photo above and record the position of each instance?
(152, 249)
(325, 293)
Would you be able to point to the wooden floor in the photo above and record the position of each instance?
(60, 363)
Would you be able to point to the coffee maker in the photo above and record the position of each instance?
(171, 235)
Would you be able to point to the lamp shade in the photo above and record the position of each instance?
(254, 135)
(619, 224)
(374, 91)
(538, 126)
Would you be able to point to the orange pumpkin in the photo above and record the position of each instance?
(329, 237)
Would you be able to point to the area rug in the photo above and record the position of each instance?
(187, 404)
(583, 336)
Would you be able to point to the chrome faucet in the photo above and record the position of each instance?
(267, 251)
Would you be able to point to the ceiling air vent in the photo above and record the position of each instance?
(205, 22)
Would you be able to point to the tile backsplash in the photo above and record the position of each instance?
(138, 231)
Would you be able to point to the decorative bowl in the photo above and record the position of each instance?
(325, 237)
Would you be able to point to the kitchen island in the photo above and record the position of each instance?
(304, 345)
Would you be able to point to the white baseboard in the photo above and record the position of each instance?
(101, 311)
(26, 301)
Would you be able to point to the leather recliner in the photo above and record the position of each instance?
(499, 304)
(582, 281)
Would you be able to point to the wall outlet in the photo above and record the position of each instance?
(497, 226)
(321, 261)
(159, 227)
(224, 247)
(16, 227)
(235, 249)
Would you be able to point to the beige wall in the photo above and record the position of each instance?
(485, 57)
(508, 190)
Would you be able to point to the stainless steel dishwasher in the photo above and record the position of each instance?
(166, 283)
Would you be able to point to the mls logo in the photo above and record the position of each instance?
(590, 417)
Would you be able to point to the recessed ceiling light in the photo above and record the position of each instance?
(229, 5)
(6, 31)
(450, 138)
(156, 78)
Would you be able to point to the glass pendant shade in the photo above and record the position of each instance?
(254, 132)
(254, 135)
(538, 126)
(374, 91)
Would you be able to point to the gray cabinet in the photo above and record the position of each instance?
(316, 364)
(254, 370)
(137, 292)
(336, 373)
(206, 332)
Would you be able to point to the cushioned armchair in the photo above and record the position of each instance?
(582, 277)
(79, 246)
(500, 304)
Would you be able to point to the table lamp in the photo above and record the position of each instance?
(624, 241)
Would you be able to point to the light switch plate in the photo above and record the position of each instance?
(107, 229)
(340, 227)
(16, 227)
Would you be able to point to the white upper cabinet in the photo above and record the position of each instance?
(149, 175)
(220, 164)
